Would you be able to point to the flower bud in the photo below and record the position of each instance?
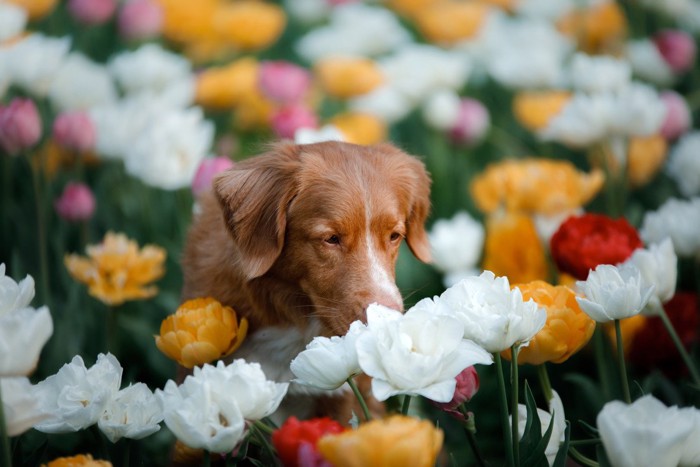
(283, 82)
(206, 171)
(92, 12)
(140, 19)
(74, 130)
(677, 49)
(472, 123)
(677, 119)
(467, 387)
(287, 120)
(77, 203)
(20, 126)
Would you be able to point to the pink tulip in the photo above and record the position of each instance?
(206, 171)
(77, 203)
(20, 126)
(287, 120)
(74, 130)
(283, 82)
(677, 119)
(472, 123)
(467, 387)
(92, 12)
(677, 49)
(140, 19)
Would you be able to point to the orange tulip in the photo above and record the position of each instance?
(535, 109)
(451, 22)
(81, 460)
(360, 128)
(343, 77)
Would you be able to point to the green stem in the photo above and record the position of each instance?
(104, 452)
(601, 362)
(585, 442)
(5, 453)
(262, 437)
(126, 452)
(544, 381)
(507, 439)
(206, 462)
(470, 431)
(581, 459)
(41, 232)
(406, 404)
(679, 345)
(263, 427)
(514, 402)
(360, 399)
(111, 325)
(621, 363)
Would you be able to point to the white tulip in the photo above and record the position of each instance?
(32, 62)
(417, 353)
(133, 413)
(558, 435)
(491, 313)
(658, 266)
(690, 456)
(684, 164)
(76, 396)
(441, 109)
(328, 362)
(14, 295)
(311, 135)
(20, 405)
(13, 20)
(645, 432)
(598, 73)
(79, 84)
(456, 243)
(208, 410)
(677, 219)
(613, 293)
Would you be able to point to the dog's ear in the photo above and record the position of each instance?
(254, 196)
(416, 236)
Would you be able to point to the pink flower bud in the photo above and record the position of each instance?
(20, 126)
(283, 82)
(467, 387)
(77, 203)
(140, 19)
(92, 11)
(74, 130)
(677, 119)
(206, 171)
(677, 49)
(472, 122)
(287, 120)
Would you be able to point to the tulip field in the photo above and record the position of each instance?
(557, 323)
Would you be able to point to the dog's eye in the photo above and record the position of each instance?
(395, 236)
(333, 240)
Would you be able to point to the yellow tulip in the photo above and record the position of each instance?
(201, 331)
(645, 156)
(227, 86)
(81, 460)
(360, 128)
(396, 441)
(567, 328)
(36, 9)
(448, 23)
(535, 109)
(597, 29)
(343, 77)
(249, 25)
(116, 270)
(410, 8)
(185, 21)
(513, 248)
(534, 185)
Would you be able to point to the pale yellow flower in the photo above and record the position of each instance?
(81, 460)
(534, 185)
(360, 128)
(535, 109)
(450, 22)
(201, 331)
(116, 270)
(567, 328)
(342, 77)
(396, 441)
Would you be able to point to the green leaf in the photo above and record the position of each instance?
(562, 455)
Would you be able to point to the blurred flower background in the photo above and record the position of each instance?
(561, 135)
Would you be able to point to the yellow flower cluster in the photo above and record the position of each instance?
(396, 441)
(567, 328)
(201, 331)
(116, 270)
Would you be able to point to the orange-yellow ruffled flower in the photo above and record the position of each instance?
(344, 77)
(598, 28)
(537, 185)
(513, 248)
(450, 22)
(360, 128)
(227, 86)
(396, 441)
(645, 157)
(116, 270)
(567, 328)
(249, 25)
(81, 460)
(36, 9)
(535, 109)
(201, 331)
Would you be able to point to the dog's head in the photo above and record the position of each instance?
(328, 217)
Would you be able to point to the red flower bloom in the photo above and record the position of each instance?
(584, 242)
(293, 434)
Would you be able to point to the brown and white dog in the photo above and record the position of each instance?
(300, 240)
